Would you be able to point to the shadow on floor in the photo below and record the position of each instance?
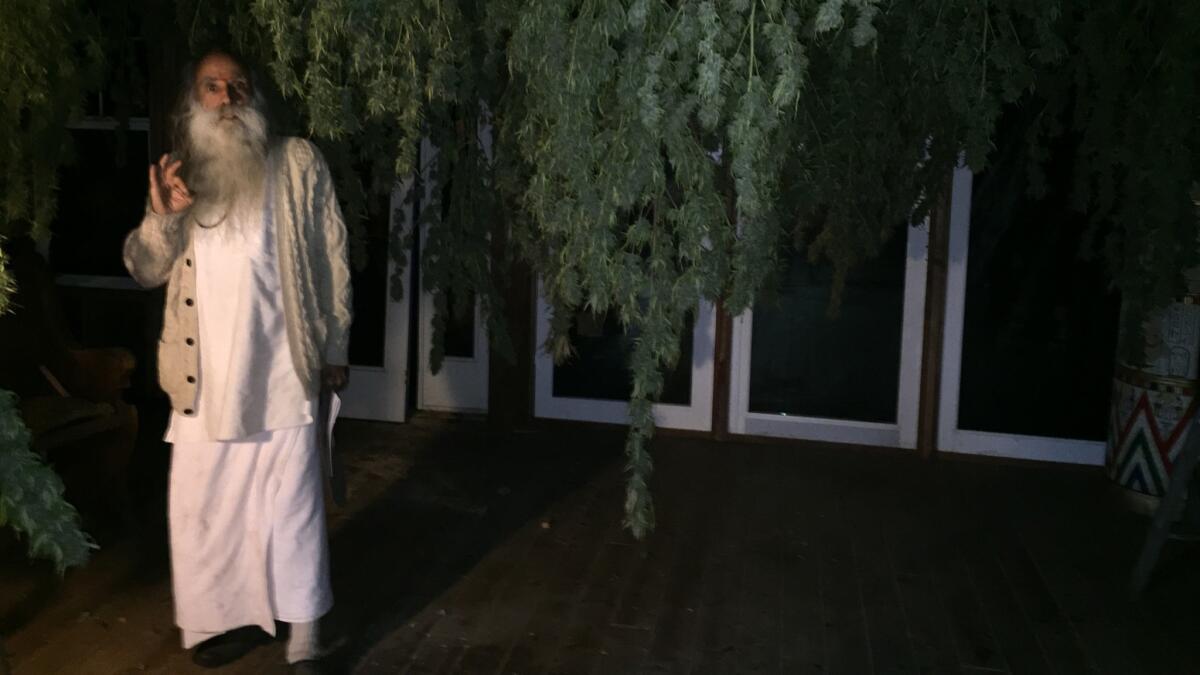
(464, 551)
(463, 495)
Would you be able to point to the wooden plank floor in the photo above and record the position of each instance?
(467, 552)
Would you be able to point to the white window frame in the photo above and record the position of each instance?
(461, 384)
(111, 124)
(696, 416)
(381, 392)
(951, 438)
(900, 434)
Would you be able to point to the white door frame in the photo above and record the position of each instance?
(375, 392)
(902, 433)
(697, 415)
(461, 384)
(950, 437)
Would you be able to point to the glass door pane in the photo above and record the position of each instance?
(380, 332)
(1040, 321)
(805, 362)
(599, 368)
(850, 376)
(1031, 324)
(370, 283)
(458, 341)
(461, 384)
(595, 384)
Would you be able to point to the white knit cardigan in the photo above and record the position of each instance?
(313, 271)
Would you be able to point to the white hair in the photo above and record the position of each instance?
(226, 160)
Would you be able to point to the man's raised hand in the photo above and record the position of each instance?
(168, 192)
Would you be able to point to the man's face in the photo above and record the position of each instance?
(225, 135)
(221, 84)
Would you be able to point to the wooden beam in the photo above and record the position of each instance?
(166, 54)
(510, 383)
(935, 321)
(722, 355)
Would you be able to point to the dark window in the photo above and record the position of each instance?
(370, 285)
(102, 196)
(805, 362)
(600, 367)
(459, 338)
(1041, 323)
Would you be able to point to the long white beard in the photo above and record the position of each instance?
(227, 162)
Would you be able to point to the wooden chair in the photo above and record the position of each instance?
(70, 397)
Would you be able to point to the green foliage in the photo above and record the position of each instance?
(7, 285)
(883, 129)
(51, 57)
(684, 143)
(31, 496)
(1132, 93)
(645, 156)
(369, 81)
(642, 156)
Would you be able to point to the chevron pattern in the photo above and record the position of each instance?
(1147, 430)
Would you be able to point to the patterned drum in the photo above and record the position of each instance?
(1152, 405)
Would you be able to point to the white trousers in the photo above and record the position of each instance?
(248, 539)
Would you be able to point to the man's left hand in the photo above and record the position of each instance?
(335, 378)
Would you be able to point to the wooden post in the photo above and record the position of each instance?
(166, 56)
(935, 321)
(510, 384)
(722, 354)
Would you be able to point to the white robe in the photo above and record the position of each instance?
(247, 379)
(247, 514)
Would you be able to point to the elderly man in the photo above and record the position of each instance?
(246, 232)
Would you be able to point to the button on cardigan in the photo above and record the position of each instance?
(313, 270)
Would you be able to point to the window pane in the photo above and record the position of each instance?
(460, 327)
(1040, 324)
(600, 367)
(804, 362)
(102, 196)
(370, 284)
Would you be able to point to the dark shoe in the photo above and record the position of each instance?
(307, 667)
(229, 647)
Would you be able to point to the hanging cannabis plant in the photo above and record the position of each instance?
(51, 57)
(1131, 94)
(675, 148)
(644, 156)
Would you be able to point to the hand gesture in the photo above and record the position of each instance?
(168, 193)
